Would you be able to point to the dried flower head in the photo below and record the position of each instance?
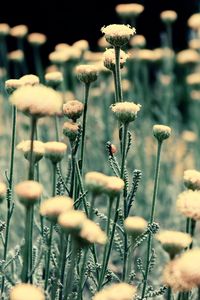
(96, 182)
(188, 56)
(109, 59)
(30, 79)
(194, 21)
(82, 45)
(168, 16)
(19, 31)
(38, 149)
(71, 130)
(118, 35)
(37, 39)
(193, 79)
(117, 291)
(129, 10)
(55, 151)
(145, 55)
(55, 206)
(4, 29)
(114, 186)
(188, 204)
(135, 226)
(24, 291)
(54, 79)
(191, 179)
(102, 43)
(173, 242)
(189, 136)
(194, 44)
(28, 192)
(73, 109)
(12, 84)
(138, 41)
(72, 221)
(3, 190)
(58, 57)
(37, 100)
(62, 46)
(91, 233)
(16, 56)
(125, 112)
(86, 73)
(161, 132)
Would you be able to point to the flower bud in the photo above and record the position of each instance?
(73, 109)
(161, 132)
(28, 192)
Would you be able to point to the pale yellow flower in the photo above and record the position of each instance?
(28, 192)
(125, 112)
(24, 291)
(117, 34)
(188, 204)
(53, 207)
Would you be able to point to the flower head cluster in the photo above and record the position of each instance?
(125, 112)
(117, 291)
(118, 35)
(188, 204)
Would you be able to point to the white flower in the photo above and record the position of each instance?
(117, 34)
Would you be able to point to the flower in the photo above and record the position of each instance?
(188, 204)
(86, 73)
(28, 192)
(24, 291)
(118, 35)
(194, 44)
(193, 79)
(114, 186)
(38, 149)
(109, 59)
(138, 41)
(161, 132)
(53, 207)
(12, 84)
(135, 226)
(173, 242)
(61, 47)
(4, 29)
(191, 179)
(16, 56)
(30, 79)
(129, 10)
(53, 79)
(55, 151)
(125, 112)
(96, 182)
(71, 130)
(189, 136)
(91, 233)
(73, 109)
(58, 57)
(19, 31)
(82, 45)
(188, 56)
(102, 43)
(194, 21)
(37, 100)
(168, 16)
(3, 190)
(117, 291)
(72, 221)
(37, 39)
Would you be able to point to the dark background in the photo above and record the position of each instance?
(70, 20)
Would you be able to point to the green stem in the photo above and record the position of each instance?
(169, 293)
(79, 297)
(47, 269)
(38, 63)
(116, 86)
(71, 271)
(63, 251)
(81, 186)
(24, 67)
(118, 75)
(169, 35)
(57, 128)
(92, 206)
(152, 217)
(87, 88)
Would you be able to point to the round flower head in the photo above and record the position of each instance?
(73, 109)
(58, 57)
(37, 100)
(30, 79)
(16, 56)
(28, 192)
(71, 130)
(125, 112)
(135, 226)
(72, 221)
(168, 16)
(96, 182)
(188, 204)
(4, 29)
(3, 190)
(138, 41)
(188, 56)
(194, 21)
(194, 44)
(83, 45)
(102, 43)
(37, 39)
(117, 291)
(61, 47)
(118, 35)
(24, 291)
(173, 242)
(54, 79)
(189, 136)
(129, 10)
(38, 149)
(182, 274)
(55, 151)
(86, 73)
(161, 132)
(191, 179)
(91, 233)
(53, 207)
(19, 31)
(193, 79)
(109, 59)
(114, 186)
(12, 84)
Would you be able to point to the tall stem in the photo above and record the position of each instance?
(79, 297)
(118, 75)
(169, 293)
(152, 217)
(63, 251)
(38, 63)
(87, 88)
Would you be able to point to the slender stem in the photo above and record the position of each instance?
(116, 86)
(63, 251)
(152, 217)
(47, 269)
(169, 35)
(71, 271)
(118, 75)
(87, 88)
(24, 67)
(92, 206)
(56, 119)
(73, 162)
(169, 293)
(79, 297)
(38, 63)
